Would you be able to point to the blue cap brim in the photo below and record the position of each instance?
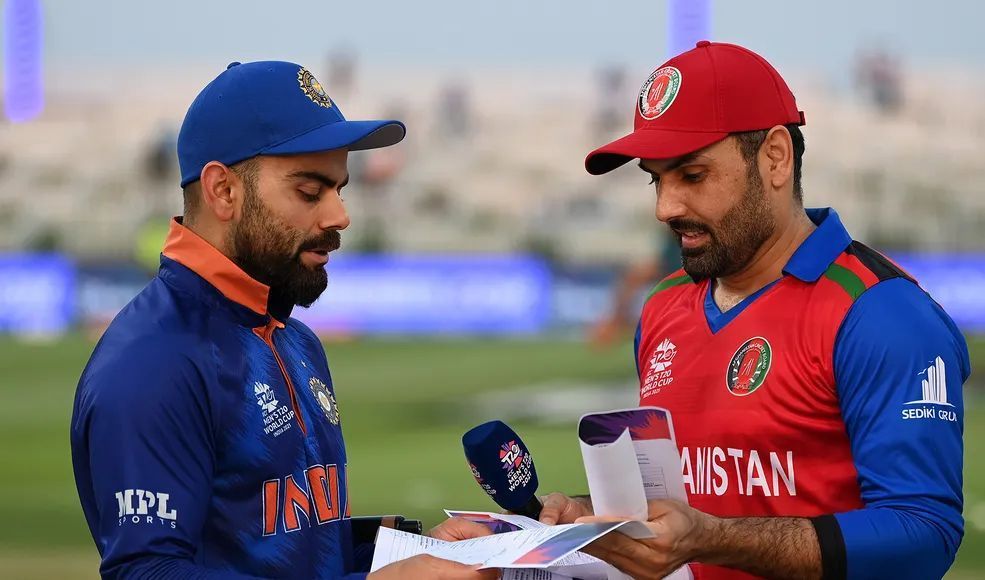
(351, 135)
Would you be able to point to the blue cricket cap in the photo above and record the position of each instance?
(270, 108)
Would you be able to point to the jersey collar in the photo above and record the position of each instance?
(191, 251)
(821, 248)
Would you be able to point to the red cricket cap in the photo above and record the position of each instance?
(696, 99)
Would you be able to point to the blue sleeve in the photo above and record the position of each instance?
(636, 346)
(143, 454)
(899, 364)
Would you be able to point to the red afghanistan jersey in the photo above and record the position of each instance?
(752, 390)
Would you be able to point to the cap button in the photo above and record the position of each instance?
(702, 43)
(232, 64)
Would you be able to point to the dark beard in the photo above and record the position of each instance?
(270, 252)
(742, 231)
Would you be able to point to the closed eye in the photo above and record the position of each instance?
(308, 197)
(694, 177)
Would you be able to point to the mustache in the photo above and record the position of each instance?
(686, 225)
(331, 240)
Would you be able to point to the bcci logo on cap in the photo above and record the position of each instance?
(659, 91)
(517, 465)
(313, 89)
(749, 366)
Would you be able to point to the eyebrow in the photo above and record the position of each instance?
(676, 163)
(319, 177)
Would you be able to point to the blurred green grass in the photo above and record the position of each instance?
(404, 404)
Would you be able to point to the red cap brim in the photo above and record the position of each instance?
(648, 144)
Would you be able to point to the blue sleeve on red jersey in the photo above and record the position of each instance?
(900, 363)
(143, 453)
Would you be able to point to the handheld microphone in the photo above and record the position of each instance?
(503, 467)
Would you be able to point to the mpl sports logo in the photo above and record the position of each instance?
(517, 465)
(139, 506)
(658, 374)
(933, 402)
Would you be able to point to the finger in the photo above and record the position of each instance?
(455, 529)
(554, 505)
(599, 520)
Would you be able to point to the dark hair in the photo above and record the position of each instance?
(246, 170)
(751, 141)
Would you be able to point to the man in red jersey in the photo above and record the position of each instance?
(815, 388)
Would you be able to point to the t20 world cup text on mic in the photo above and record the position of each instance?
(503, 467)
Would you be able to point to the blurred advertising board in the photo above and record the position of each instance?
(432, 294)
(416, 294)
(105, 289)
(37, 294)
(955, 281)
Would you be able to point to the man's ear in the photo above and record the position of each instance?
(778, 149)
(218, 182)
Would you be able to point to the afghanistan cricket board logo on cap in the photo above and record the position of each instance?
(313, 89)
(325, 399)
(659, 91)
(749, 366)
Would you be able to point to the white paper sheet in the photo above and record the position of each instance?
(541, 548)
(614, 478)
(653, 472)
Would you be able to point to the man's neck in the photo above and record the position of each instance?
(211, 234)
(767, 264)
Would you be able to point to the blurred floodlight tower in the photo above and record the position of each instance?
(688, 22)
(23, 97)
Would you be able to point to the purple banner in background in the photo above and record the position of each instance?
(460, 294)
(955, 281)
(37, 294)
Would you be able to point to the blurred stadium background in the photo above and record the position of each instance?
(481, 255)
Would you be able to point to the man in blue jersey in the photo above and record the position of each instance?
(206, 437)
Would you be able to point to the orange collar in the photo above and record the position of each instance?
(188, 249)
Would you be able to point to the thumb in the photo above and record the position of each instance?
(599, 520)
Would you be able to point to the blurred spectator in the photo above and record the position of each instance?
(626, 293)
(454, 114)
(341, 73)
(375, 171)
(610, 116)
(879, 79)
(160, 163)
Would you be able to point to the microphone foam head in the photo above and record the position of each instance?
(501, 464)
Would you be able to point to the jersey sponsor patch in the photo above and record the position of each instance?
(749, 366)
(932, 403)
(143, 507)
(659, 373)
